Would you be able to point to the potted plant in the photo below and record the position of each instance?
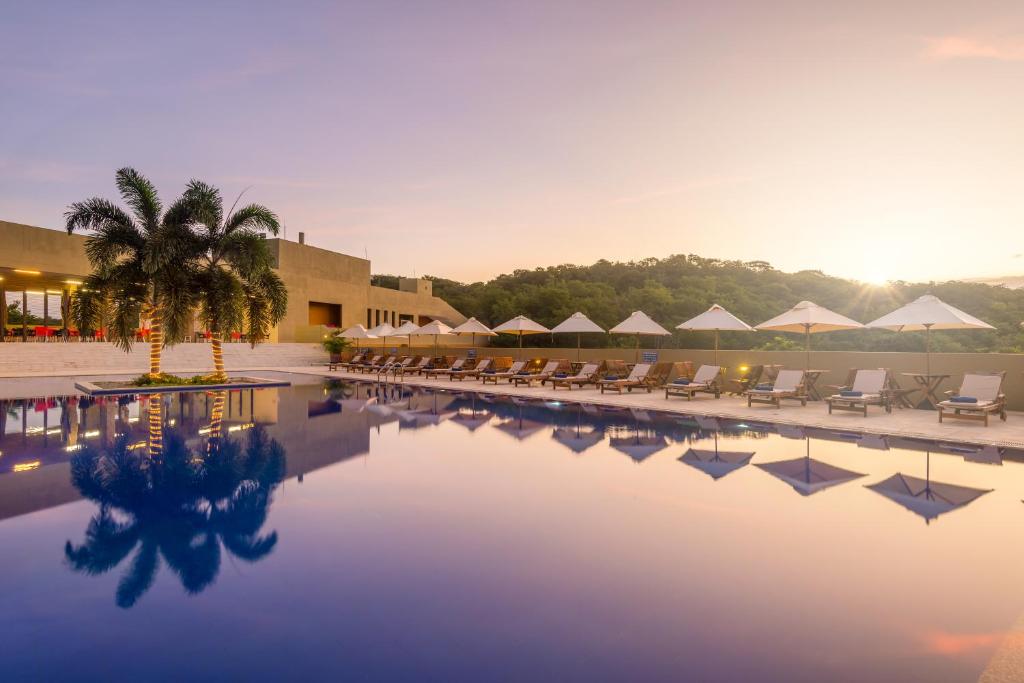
(335, 345)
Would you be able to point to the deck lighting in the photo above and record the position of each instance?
(26, 466)
(27, 272)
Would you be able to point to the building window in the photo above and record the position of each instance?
(324, 314)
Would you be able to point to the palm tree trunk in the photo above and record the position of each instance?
(156, 342)
(218, 357)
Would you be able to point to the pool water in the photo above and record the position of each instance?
(351, 531)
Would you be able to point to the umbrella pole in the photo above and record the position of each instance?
(807, 345)
(578, 347)
(520, 350)
(636, 358)
(928, 351)
(716, 363)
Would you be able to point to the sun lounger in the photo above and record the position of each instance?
(493, 377)
(707, 380)
(549, 369)
(616, 384)
(440, 372)
(789, 384)
(980, 395)
(414, 365)
(354, 360)
(867, 389)
(473, 372)
(366, 362)
(586, 375)
(376, 367)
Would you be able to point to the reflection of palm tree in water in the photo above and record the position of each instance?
(217, 417)
(184, 508)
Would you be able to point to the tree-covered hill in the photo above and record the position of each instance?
(676, 288)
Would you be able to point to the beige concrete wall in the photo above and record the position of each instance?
(32, 248)
(314, 274)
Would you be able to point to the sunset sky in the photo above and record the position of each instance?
(873, 140)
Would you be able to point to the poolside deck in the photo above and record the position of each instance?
(922, 424)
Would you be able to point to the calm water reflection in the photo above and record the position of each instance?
(353, 531)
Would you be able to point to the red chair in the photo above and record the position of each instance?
(41, 333)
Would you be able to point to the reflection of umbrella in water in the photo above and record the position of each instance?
(639, 447)
(715, 463)
(355, 405)
(984, 455)
(806, 475)
(925, 497)
(424, 416)
(576, 438)
(520, 428)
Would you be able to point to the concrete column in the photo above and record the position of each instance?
(24, 316)
(46, 313)
(3, 314)
(65, 311)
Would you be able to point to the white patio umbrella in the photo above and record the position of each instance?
(383, 331)
(435, 329)
(928, 313)
(519, 326)
(357, 332)
(578, 323)
(406, 328)
(639, 323)
(809, 318)
(473, 327)
(715, 318)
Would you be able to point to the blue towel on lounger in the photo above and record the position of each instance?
(963, 399)
(682, 381)
(490, 372)
(851, 394)
(611, 378)
(523, 372)
(764, 387)
(561, 375)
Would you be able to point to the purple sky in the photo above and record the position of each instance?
(873, 140)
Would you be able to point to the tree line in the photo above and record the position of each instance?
(678, 287)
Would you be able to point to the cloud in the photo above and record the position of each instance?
(946, 48)
(682, 188)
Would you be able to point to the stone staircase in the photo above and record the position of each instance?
(66, 359)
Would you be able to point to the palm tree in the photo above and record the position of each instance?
(233, 269)
(136, 264)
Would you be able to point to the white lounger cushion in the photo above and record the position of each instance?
(706, 374)
(869, 382)
(786, 383)
(985, 388)
(586, 371)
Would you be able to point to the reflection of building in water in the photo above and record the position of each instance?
(317, 426)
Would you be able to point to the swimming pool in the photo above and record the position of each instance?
(341, 530)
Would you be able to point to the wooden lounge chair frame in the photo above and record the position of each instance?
(478, 367)
(711, 386)
(976, 412)
(581, 378)
(543, 374)
(493, 377)
(634, 380)
(859, 404)
(775, 398)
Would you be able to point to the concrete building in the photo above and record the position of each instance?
(325, 288)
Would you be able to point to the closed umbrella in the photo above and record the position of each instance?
(473, 327)
(715, 318)
(639, 323)
(809, 318)
(578, 323)
(928, 313)
(434, 329)
(357, 332)
(520, 326)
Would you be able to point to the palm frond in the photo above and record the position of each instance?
(139, 194)
(253, 217)
(207, 204)
(93, 213)
(266, 304)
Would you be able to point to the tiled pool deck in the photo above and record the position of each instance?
(922, 424)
